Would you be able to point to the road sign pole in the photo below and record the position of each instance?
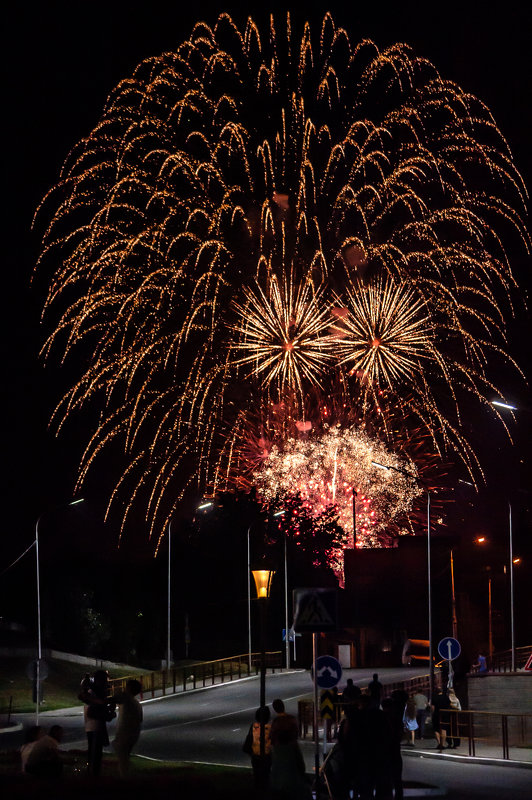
(316, 732)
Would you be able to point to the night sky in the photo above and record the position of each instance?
(63, 59)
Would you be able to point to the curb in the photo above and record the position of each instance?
(12, 728)
(495, 762)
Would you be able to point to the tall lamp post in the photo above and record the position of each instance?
(39, 627)
(429, 568)
(263, 582)
(203, 507)
(286, 638)
(511, 407)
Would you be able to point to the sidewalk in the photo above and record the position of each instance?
(484, 753)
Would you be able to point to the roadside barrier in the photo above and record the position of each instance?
(185, 677)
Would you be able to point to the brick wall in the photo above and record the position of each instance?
(505, 692)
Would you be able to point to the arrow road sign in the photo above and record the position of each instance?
(449, 648)
(328, 672)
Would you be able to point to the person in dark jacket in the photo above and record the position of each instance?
(97, 711)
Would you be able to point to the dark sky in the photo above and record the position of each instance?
(63, 58)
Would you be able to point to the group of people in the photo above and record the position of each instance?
(366, 760)
(40, 753)
(277, 762)
(99, 708)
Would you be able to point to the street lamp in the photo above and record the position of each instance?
(286, 639)
(203, 507)
(429, 569)
(39, 636)
(263, 582)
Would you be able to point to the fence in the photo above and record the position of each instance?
(305, 709)
(199, 675)
(486, 734)
(490, 734)
(502, 662)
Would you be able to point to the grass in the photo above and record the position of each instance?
(61, 687)
(155, 780)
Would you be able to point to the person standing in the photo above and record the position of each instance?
(261, 765)
(410, 721)
(129, 723)
(97, 711)
(422, 709)
(454, 739)
(283, 723)
(351, 693)
(375, 689)
(440, 702)
(287, 778)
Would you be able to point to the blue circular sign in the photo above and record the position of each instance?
(449, 648)
(328, 672)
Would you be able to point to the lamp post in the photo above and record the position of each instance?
(454, 620)
(528, 410)
(429, 568)
(263, 581)
(512, 627)
(286, 639)
(203, 507)
(38, 576)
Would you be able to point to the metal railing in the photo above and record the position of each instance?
(420, 683)
(491, 734)
(198, 675)
(480, 734)
(502, 662)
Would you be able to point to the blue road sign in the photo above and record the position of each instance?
(449, 648)
(328, 672)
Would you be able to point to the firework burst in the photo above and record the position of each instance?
(326, 470)
(385, 335)
(282, 334)
(229, 193)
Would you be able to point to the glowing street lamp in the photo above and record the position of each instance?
(501, 404)
(263, 581)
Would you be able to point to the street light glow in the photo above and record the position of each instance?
(203, 506)
(480, 540)
(503, 405)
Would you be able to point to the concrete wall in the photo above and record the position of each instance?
(505, 692)
(95, 663)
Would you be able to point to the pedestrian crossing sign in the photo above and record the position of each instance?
(315, 610)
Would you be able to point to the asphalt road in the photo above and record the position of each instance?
(209, 726)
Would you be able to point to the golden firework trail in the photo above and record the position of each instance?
(232, 194)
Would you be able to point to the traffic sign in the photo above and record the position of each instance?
(326, 705)
(315, 610)
(328, 672)
(31, 670)
(528, 665)
(449, 648)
